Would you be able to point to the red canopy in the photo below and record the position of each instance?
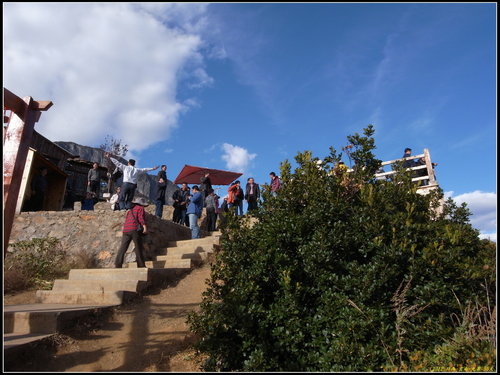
(192, 175)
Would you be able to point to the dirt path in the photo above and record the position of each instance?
(150, 335)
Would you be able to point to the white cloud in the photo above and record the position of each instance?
(237, 158)
(483, 206)
(109, 68)
(488, 236)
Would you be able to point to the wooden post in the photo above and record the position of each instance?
(430, 170)
(17, 140)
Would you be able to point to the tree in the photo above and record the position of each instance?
(339, 272)
(114, 147)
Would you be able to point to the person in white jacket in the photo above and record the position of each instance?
(130, 176)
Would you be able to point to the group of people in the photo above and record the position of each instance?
(189, 202)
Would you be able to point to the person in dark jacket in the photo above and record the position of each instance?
(252, 194)
(224, 210)
(160, 196)
(181, 200)
(410, 163)
(89, 202)
(239, 198)
(162, 173)
(211, 205)
(205, 185)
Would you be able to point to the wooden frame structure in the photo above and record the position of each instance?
(430, 176)
(16, 142)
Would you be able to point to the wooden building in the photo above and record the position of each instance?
(77, 170)
(66, 177)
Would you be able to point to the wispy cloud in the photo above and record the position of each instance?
(471, 140)
(114, 69)
(237, 158)
(483, 206)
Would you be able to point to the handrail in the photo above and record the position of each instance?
(428, 166)
(426, 156)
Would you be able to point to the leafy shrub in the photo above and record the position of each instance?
(471, 349)
(341, 272)
(34, 263)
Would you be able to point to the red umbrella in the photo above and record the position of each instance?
(192, 175)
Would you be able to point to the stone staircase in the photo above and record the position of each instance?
(87, 290)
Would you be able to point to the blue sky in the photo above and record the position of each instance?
(245, 86)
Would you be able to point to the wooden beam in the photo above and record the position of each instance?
(41, 105)
(13, 102)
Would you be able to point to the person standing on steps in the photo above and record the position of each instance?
(252, 194)
(181, 201)
(211, 210)
(130, 176)
(194, 210)
(93, 180)
(134, 229)
(205, 186)
(162, 189)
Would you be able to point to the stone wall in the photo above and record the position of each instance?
(97, 232)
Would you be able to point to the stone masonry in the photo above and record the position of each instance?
(97, 232)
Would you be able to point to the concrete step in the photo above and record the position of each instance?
(116, 297)
(202, 255)
(136, 286)
(43, 318)
(110, 274)
(17, 341)
(168, 263)
(184, 249)
(196, 242)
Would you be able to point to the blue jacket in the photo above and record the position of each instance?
(195, 205)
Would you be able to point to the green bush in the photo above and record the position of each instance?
(340, 272)
(471, 349)
(34, 263)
